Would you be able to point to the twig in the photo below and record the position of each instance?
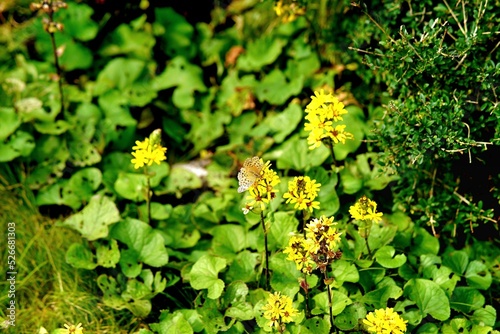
(266, 249)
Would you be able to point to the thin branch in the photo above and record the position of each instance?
(455, 17)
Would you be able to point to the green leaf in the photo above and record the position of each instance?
(466, 299)
(339, 303)
(344, 271)
(78, 22)
(378, 298)
(94, 220)
(83, 184)
(119, 74)
(129, 263)
(276, 89)
(457, 261)
(20, 144)
(115, 107)
(456, 325)
(180, 180)
(350, 317)
(205, 126)
(424, 243)
(10, 122)
(314, 325)
(107, 253)
(485, 316)
(240, 311)
(131, 186)
(176, 33)
(193, 318)
(442, 277)
(51, 155)
(75, 56)
(285, 275)
(143, 239)
(213, 320)
(385, 257)
(80, 256)
(187, 77)
(429, 297)
(381, 236)
(53, 128)
(204, 275)
(279, 124)
(295, 154)
(282, 225)
(364, 172)
(428, 328)
(243, 267)
(261, 52)
(370, 277)
(83, 152)
(478, 275)
(228, 240)
(174, 323)
(355, 124)
(176, 234)
(124, 40)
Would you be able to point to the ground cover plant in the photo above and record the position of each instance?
(250, 167)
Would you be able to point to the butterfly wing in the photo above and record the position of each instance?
(245, 180)
(249, 173)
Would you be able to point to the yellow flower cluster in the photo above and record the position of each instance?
(322, 112)
(279, 310)
(72, 329)
(365, 209)
(385, 322)
(302, 191)
(298, 253)
(149, 151)
(263, 190)
(318, 248)
(288, 11)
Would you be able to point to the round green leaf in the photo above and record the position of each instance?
(429, 297)
(478, 275)
(204, 275)
(142, 238)
(80, 256)
(94, 220)
(385, 257)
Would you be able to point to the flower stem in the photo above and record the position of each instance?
(148, 194)
(308, 312)
(329, 299)
(56, 60)
(266, 249)
(368, 247)
(330, 145)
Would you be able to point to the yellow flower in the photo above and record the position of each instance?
(302, 191)
(365, 209)
(279, 310)
(148, 151)
(322, 112)
(385, 322)
(72, 329)
(318, 248)
(297, 253)
(339, 135)
(289, 11)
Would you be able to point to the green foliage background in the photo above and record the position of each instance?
(420, 81)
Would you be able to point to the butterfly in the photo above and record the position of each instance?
(249, 173)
